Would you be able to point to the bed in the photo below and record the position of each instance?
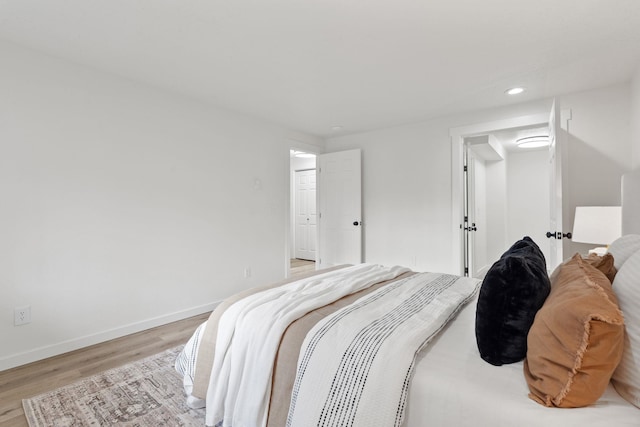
(321, 360)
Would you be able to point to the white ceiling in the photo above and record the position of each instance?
(315, 64)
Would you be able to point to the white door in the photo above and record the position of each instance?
(340, 208)
(468, 205)
(477, 215)
(555, 234)
(475, 225)
(305, 215)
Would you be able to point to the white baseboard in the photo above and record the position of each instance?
(51, 350)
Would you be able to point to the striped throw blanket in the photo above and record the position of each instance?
(355, 366)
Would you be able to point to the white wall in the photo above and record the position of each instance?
(407, 173)
(635, 118)
(599, 151)
(123, 207)
(407, 187)
(406, 194)
(497, 210)
(527, 183)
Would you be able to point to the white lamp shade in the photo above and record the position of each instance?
(597, 224)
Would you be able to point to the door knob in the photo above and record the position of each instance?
(559, 235)
(356, 223)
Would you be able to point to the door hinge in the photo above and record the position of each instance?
(465, 168)
(466, 270)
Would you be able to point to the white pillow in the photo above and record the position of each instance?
(623, 248)
(626, 285)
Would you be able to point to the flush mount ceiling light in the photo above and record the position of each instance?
(533, 141)
(514, 91)
(302, 154)
(336, 128)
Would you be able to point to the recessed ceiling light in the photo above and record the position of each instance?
(514, 91)
(533, 141)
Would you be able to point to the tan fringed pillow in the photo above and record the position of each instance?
(577, 338)
(603, 263)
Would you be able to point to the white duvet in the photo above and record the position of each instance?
(250, 332)
(453, 386)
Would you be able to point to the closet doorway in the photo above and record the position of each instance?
(303, 215)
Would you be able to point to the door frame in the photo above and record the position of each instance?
(457, 136)
(288, 250)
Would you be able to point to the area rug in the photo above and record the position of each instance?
(145, 393)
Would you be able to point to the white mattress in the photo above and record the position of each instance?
(453, 386)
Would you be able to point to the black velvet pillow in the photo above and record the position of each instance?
(512, 292)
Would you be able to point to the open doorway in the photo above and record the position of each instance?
(506, 195)
(303, 213)
(494, 199)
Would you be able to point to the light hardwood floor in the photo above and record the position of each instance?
(301, 267)
(38, 377)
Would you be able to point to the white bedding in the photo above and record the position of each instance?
(250, 332)
(453, 386)
(354, 365)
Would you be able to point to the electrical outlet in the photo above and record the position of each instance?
(247, 272)
(22, 315)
